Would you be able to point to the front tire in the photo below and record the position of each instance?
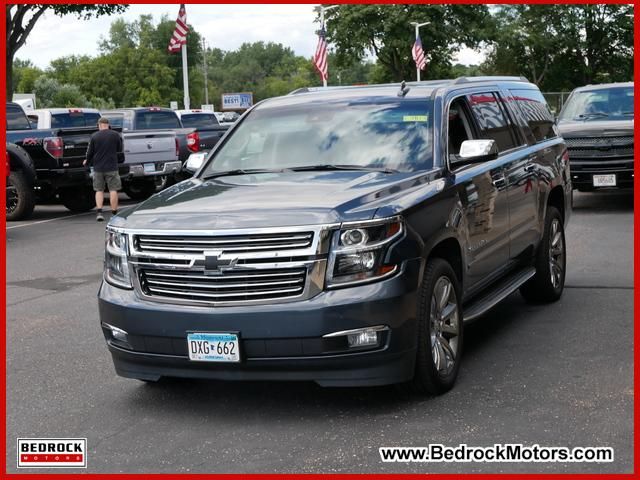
(21, 198)
(551, 262)
(139, 189)
(440, 330)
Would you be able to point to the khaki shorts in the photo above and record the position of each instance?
(110, 179)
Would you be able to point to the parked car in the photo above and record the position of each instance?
(345, 236)
(47, 163)
(154, 142)
(210, 131)
(597, 125)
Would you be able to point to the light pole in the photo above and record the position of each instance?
(204, 64)
(417, 26)
(322, 10)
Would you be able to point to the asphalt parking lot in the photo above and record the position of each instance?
(558, 375)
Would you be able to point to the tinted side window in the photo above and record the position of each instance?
(536, 112)
(16, 119)
(154, 119)
(492, 120)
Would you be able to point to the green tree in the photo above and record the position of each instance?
(385, 32)
(560, 47)
(21, 18)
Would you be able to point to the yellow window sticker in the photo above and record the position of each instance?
(415, 118)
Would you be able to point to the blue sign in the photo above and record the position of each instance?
(237, 101)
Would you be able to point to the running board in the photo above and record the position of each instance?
(497, 293)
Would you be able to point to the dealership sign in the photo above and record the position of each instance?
(52, 452)
(237, 101)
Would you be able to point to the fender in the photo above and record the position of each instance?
(19, 159)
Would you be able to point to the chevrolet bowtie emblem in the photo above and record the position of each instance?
(215, 265)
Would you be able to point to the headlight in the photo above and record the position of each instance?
(116, 267)
(358, 251)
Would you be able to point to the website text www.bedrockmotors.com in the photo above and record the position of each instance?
(496, 453)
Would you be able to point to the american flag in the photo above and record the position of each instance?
(320, 58)
(418, 54)
(179, 36)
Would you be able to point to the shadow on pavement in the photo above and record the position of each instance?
(604, 201)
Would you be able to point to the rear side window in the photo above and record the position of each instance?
(16, 119)
(156, 119)
(492, 120)
(536, 111)
(199, 120)
(74, 120)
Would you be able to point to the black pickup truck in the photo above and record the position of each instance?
(209, 130)
(47, 163)
(597, 124)
(345, 236)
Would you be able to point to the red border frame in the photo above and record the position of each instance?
(164, 476)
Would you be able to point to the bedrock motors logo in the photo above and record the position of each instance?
(52, 452)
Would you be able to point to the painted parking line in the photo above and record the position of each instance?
(49, 220)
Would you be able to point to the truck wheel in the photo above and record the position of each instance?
(551, 262)
(78, 200)
(440, 330)
(139, 189)
(21, 198)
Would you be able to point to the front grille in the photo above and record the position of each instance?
(228, 287)
(156, 244)
(596, 142)
(598, 152)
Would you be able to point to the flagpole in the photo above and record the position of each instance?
(185, 76)
(418, 25)
(322, 25)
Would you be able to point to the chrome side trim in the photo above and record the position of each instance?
(342, 333)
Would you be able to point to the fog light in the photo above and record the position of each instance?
(117, 333)
(361, 337)
(366, 338)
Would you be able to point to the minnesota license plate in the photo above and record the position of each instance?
(149, 167)
(213, 347)
(608, 180)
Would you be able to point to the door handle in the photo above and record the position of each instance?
(530, 168)
(499, 182)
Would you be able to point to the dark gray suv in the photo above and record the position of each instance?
(344, 236)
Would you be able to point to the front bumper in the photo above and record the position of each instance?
(160, 168)
(582, 173)
(278, 341)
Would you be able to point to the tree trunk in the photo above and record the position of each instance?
(9, 73)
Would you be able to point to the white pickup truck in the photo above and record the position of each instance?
(150, 156)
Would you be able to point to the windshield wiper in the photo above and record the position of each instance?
(329, 167)
(241, 171)
(627, 113)
(591, 115)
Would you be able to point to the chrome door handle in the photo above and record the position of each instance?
(529, 168)
(499, 182)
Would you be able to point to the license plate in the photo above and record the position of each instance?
(604, 180)
(149, 167)
(213, 347)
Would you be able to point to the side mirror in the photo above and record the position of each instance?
(194, 162)
(476, 151)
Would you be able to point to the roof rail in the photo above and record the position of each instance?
(460, 80)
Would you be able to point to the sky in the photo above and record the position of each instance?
(223, 26)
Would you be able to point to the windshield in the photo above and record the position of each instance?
(393, 134)
(199, 120)
(614, 103)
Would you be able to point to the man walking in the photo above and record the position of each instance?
(104, 153)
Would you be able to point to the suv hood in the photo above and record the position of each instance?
(279, 199)
(595, 128)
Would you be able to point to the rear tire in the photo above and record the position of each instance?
(440, 330)
(139, 189)
(78, 200)
(551, 262)
(21, 199)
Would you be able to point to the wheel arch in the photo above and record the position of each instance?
(19, 159)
